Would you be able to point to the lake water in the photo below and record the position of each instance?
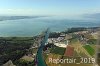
(34, 26)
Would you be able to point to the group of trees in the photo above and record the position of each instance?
(13, 48)
(71, 30)
(54, 35)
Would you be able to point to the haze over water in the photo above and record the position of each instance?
(34, 26)
(87, 12)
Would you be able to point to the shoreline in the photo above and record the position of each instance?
(60, 31)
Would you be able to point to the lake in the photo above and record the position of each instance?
(34, 26)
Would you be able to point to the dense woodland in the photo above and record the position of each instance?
(13, 48)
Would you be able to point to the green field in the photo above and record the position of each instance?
(89, 49)
(58, 50)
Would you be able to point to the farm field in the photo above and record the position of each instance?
(54, 56)
(89, 49)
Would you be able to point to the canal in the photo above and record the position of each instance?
(40, 59)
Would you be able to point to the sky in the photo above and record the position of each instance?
(49, 7)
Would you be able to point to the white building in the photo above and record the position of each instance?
(61, 45)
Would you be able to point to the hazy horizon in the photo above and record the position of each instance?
(56, 14)
(49, 7)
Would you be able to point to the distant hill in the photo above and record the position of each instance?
(2, 18)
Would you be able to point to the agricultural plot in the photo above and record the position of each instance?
(69, 51)
(58, 50)
(53, 56)
(89, 49)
